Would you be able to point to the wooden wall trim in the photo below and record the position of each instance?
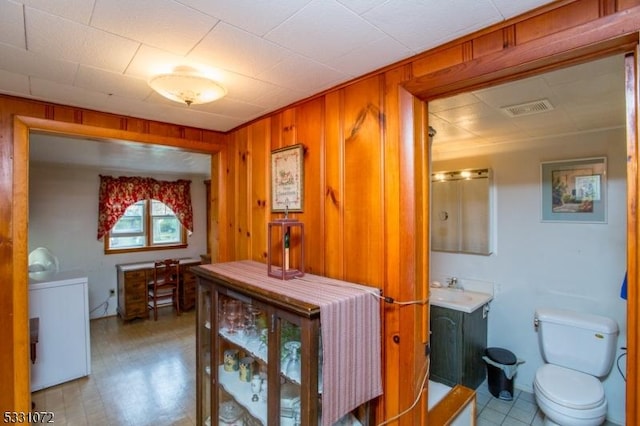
(612, 34)
(19, 237)
(17, 118)
(615, 33)
(458, 398)
(633, 225)
(110, 134)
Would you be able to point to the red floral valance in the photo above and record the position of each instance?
(118, 193)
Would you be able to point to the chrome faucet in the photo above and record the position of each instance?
(452, 282)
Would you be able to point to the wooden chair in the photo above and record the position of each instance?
(165, 285)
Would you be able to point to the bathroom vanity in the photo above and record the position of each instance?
(458, 323)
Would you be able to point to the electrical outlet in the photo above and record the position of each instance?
(112, 292)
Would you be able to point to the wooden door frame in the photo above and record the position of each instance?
(22, 127)
(558, 50)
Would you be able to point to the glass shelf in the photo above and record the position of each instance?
(242, 393)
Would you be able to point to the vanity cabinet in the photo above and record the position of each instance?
(458, 341)
(259, 349)
(133, 283)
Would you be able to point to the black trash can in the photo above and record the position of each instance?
(500, 385)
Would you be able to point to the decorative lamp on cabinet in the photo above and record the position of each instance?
(285, 239)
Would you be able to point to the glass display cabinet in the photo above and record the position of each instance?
(259, 356)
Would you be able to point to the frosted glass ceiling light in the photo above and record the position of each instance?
(186, 85)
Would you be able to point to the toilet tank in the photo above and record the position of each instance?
(575, 340)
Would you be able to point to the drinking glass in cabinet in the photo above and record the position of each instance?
(251, 333)
(292, 360)
(233, 315)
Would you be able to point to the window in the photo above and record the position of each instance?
(146, 225)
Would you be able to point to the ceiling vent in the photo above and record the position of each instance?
(535, 107)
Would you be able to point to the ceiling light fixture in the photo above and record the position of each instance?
(186, 85)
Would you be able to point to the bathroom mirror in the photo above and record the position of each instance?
(461, 211)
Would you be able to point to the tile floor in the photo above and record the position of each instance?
(521, 411)
(143, 373)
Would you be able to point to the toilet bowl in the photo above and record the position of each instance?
(568, 397)
(578, 350)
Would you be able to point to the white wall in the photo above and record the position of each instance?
(576, 266)
(63, 217)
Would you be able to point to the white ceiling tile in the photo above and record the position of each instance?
(115, 156)
(330, 31)
(68, 95)
(366, 58)
(237, 50)
(612, 66)
(64, 39)
(608, 113)
(53, 36)
(447, 132)
(111, 83)
(421, 25)
(230, 108)
(15, 84)
(510, 8)
(107, 51)
(468, 113)
(248, 89)
(280, 98)
(593, 89)
(504, 95)
(28, 63)
(161, 23)
(190, 118)
(264, 16)
(557, 121)
(149, 61)
(76, 10)
(298, 72)
(485, 127)
(453, 102)
(361, 6)
(12, 24)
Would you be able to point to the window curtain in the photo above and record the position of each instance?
(118, 193)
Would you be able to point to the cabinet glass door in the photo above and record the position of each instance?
(243, 352)
(204, 319)
(290, 373)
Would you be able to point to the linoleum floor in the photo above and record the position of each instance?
(142, 373)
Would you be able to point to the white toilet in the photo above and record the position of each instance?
(578, 349)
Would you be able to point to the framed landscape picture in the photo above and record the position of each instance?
(574, 190)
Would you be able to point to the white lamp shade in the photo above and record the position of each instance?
(185, 85)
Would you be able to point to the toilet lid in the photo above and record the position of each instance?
(569, 388)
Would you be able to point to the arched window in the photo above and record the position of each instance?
(138, 213)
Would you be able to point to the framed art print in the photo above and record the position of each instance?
(287, 179)
(574, 190)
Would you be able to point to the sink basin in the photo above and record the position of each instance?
(460, 300)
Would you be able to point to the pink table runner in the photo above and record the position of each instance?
(350, 327)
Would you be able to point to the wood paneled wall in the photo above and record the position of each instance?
(367, 164)
(366, 178)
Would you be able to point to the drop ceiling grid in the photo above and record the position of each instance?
(98, 54)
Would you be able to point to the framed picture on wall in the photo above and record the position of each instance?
(287, 179)
(574, 190)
